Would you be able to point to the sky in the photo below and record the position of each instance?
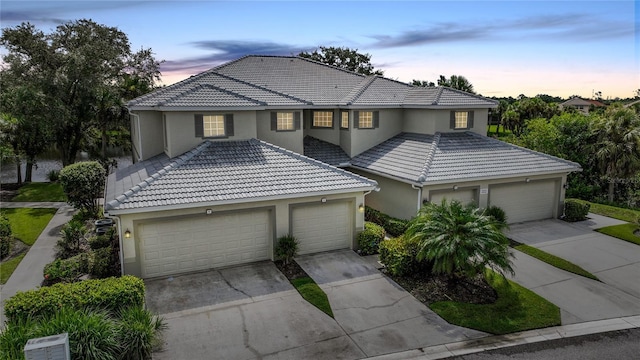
(504, 48)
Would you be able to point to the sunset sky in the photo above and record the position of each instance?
(505, 48)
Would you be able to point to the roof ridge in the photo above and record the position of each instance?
(524, 149)
(264, 88)
(430, 155)
(180, 160)
(329, 66)
(359, 89)
(438, 95)
(313, 161)
(468, 94)
(234, 93)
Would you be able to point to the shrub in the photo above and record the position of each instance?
(286, 248)
(399, 257)
(83, 183)
(139, 332)
(497, 214)
(101, 241)
(103, 263)
(53, 175)
(72, 240)
(108, 294)
(575, 211)
(15, 336)
(393, 226)
(66, 270)
(370, 238)
(6, 237)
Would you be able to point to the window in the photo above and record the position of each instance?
(284, 121)
(213, 125)
(461, 120)
(322, 119)
(365, 121)
(344, 120)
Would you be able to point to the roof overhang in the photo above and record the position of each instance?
(315, 106)
(496, 177)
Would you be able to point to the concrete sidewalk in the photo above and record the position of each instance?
(28, 274)
(33, 205)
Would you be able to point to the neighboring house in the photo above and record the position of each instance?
(231, 159)
(582, 105)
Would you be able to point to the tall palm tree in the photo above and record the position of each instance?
(618, 145)
(459, 240)
(456, 82)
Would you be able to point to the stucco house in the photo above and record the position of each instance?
(582, 105)
(232, 158)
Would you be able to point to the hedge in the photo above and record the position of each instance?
(370, 238)
(575, 211)
(393, 226)
(109, 294)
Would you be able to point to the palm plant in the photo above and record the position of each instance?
(459, 240)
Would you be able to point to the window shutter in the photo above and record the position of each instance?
(228, 124)
(334, 120)
(296, 120)
(376, 119)
(356, 119)
(452, 120)
(274, 121)
(199, 125)
(470, 120)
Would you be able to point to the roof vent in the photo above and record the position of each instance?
(55, 347)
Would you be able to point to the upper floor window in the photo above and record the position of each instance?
(322, 119)
(344, 120)
(285, 120)
(461, 120)
(365, 121)
(213, 125)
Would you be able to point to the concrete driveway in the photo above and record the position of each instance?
(615, 262)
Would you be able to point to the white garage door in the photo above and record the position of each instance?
(525, 201)
(322, 227)
(465, 196)
(185, 245)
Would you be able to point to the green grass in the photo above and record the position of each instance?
(40, 192)
(311, 292)
(612, 211)
(491, 130)
(553, 260)
(27, 224)
(623, 232)
(7, 268)
(517, 309)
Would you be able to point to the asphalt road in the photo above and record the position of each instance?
(618, 345)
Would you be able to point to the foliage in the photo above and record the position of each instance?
(575, 211)
(553, 260)
(66, 270)
(311, 292)
(27, 223)
(497, 213)
(370, 238)
(108, 294)
(422, 83)
(456, 82)
(72, 240)
(8, 267)
(6, 236)
(53, 175)
(287, 248)
(624, 232)
(83, 183)
(615, 212)
(516, 114)
(40, 192)
(517, 309)
(102, 241)
(400, 257)
(104, 263)
(344, 58)
(459, 240)
(139, 332)
(393, 226)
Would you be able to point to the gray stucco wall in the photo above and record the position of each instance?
(395, 198)
(364, 139)
(330, 135)
(290, 140)
(427, 121)
(150, 134)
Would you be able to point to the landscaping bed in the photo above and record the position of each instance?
(305, 285)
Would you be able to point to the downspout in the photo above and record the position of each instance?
(121, 252)
(139, 135)
(419, 188)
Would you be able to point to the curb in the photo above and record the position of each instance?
(525, 337)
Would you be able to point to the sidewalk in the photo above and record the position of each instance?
(28, 274)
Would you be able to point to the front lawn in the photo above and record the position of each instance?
(491, 131)
(7, 268)
(553, 260)
(611, 211)
(624, 232)
(40, 192)
(311, 292)
(517, 309)
(27, 224)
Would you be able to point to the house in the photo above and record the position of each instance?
(582, 105)
(230, 159)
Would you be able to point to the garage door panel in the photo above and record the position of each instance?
(525, 201)
(322, 227)
(185, 245)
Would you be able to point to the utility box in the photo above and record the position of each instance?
(55, 347)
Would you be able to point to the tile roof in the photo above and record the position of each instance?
(326, 152)
(424, 159)
(287, 81)
(225, 171)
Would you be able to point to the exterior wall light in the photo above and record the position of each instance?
(323, 200)
(361, 208)
(127, 234)
(527, 180)
(208, 212)
(455, 187)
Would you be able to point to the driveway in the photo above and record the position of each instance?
(252, 311)
(615, 262)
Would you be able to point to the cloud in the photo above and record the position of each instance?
(7, 16)
(227, 50)
(59, 12)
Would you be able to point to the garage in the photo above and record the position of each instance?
(322, 227)
(465, 196)
(525, 201)
(191, 244)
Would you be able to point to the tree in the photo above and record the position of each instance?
(456, 82)
(83, 183)
(344, 58)
(617, 145)
(459, 240)
(422, 83)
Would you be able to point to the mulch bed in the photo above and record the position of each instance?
(292, 270)
(17, 249)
